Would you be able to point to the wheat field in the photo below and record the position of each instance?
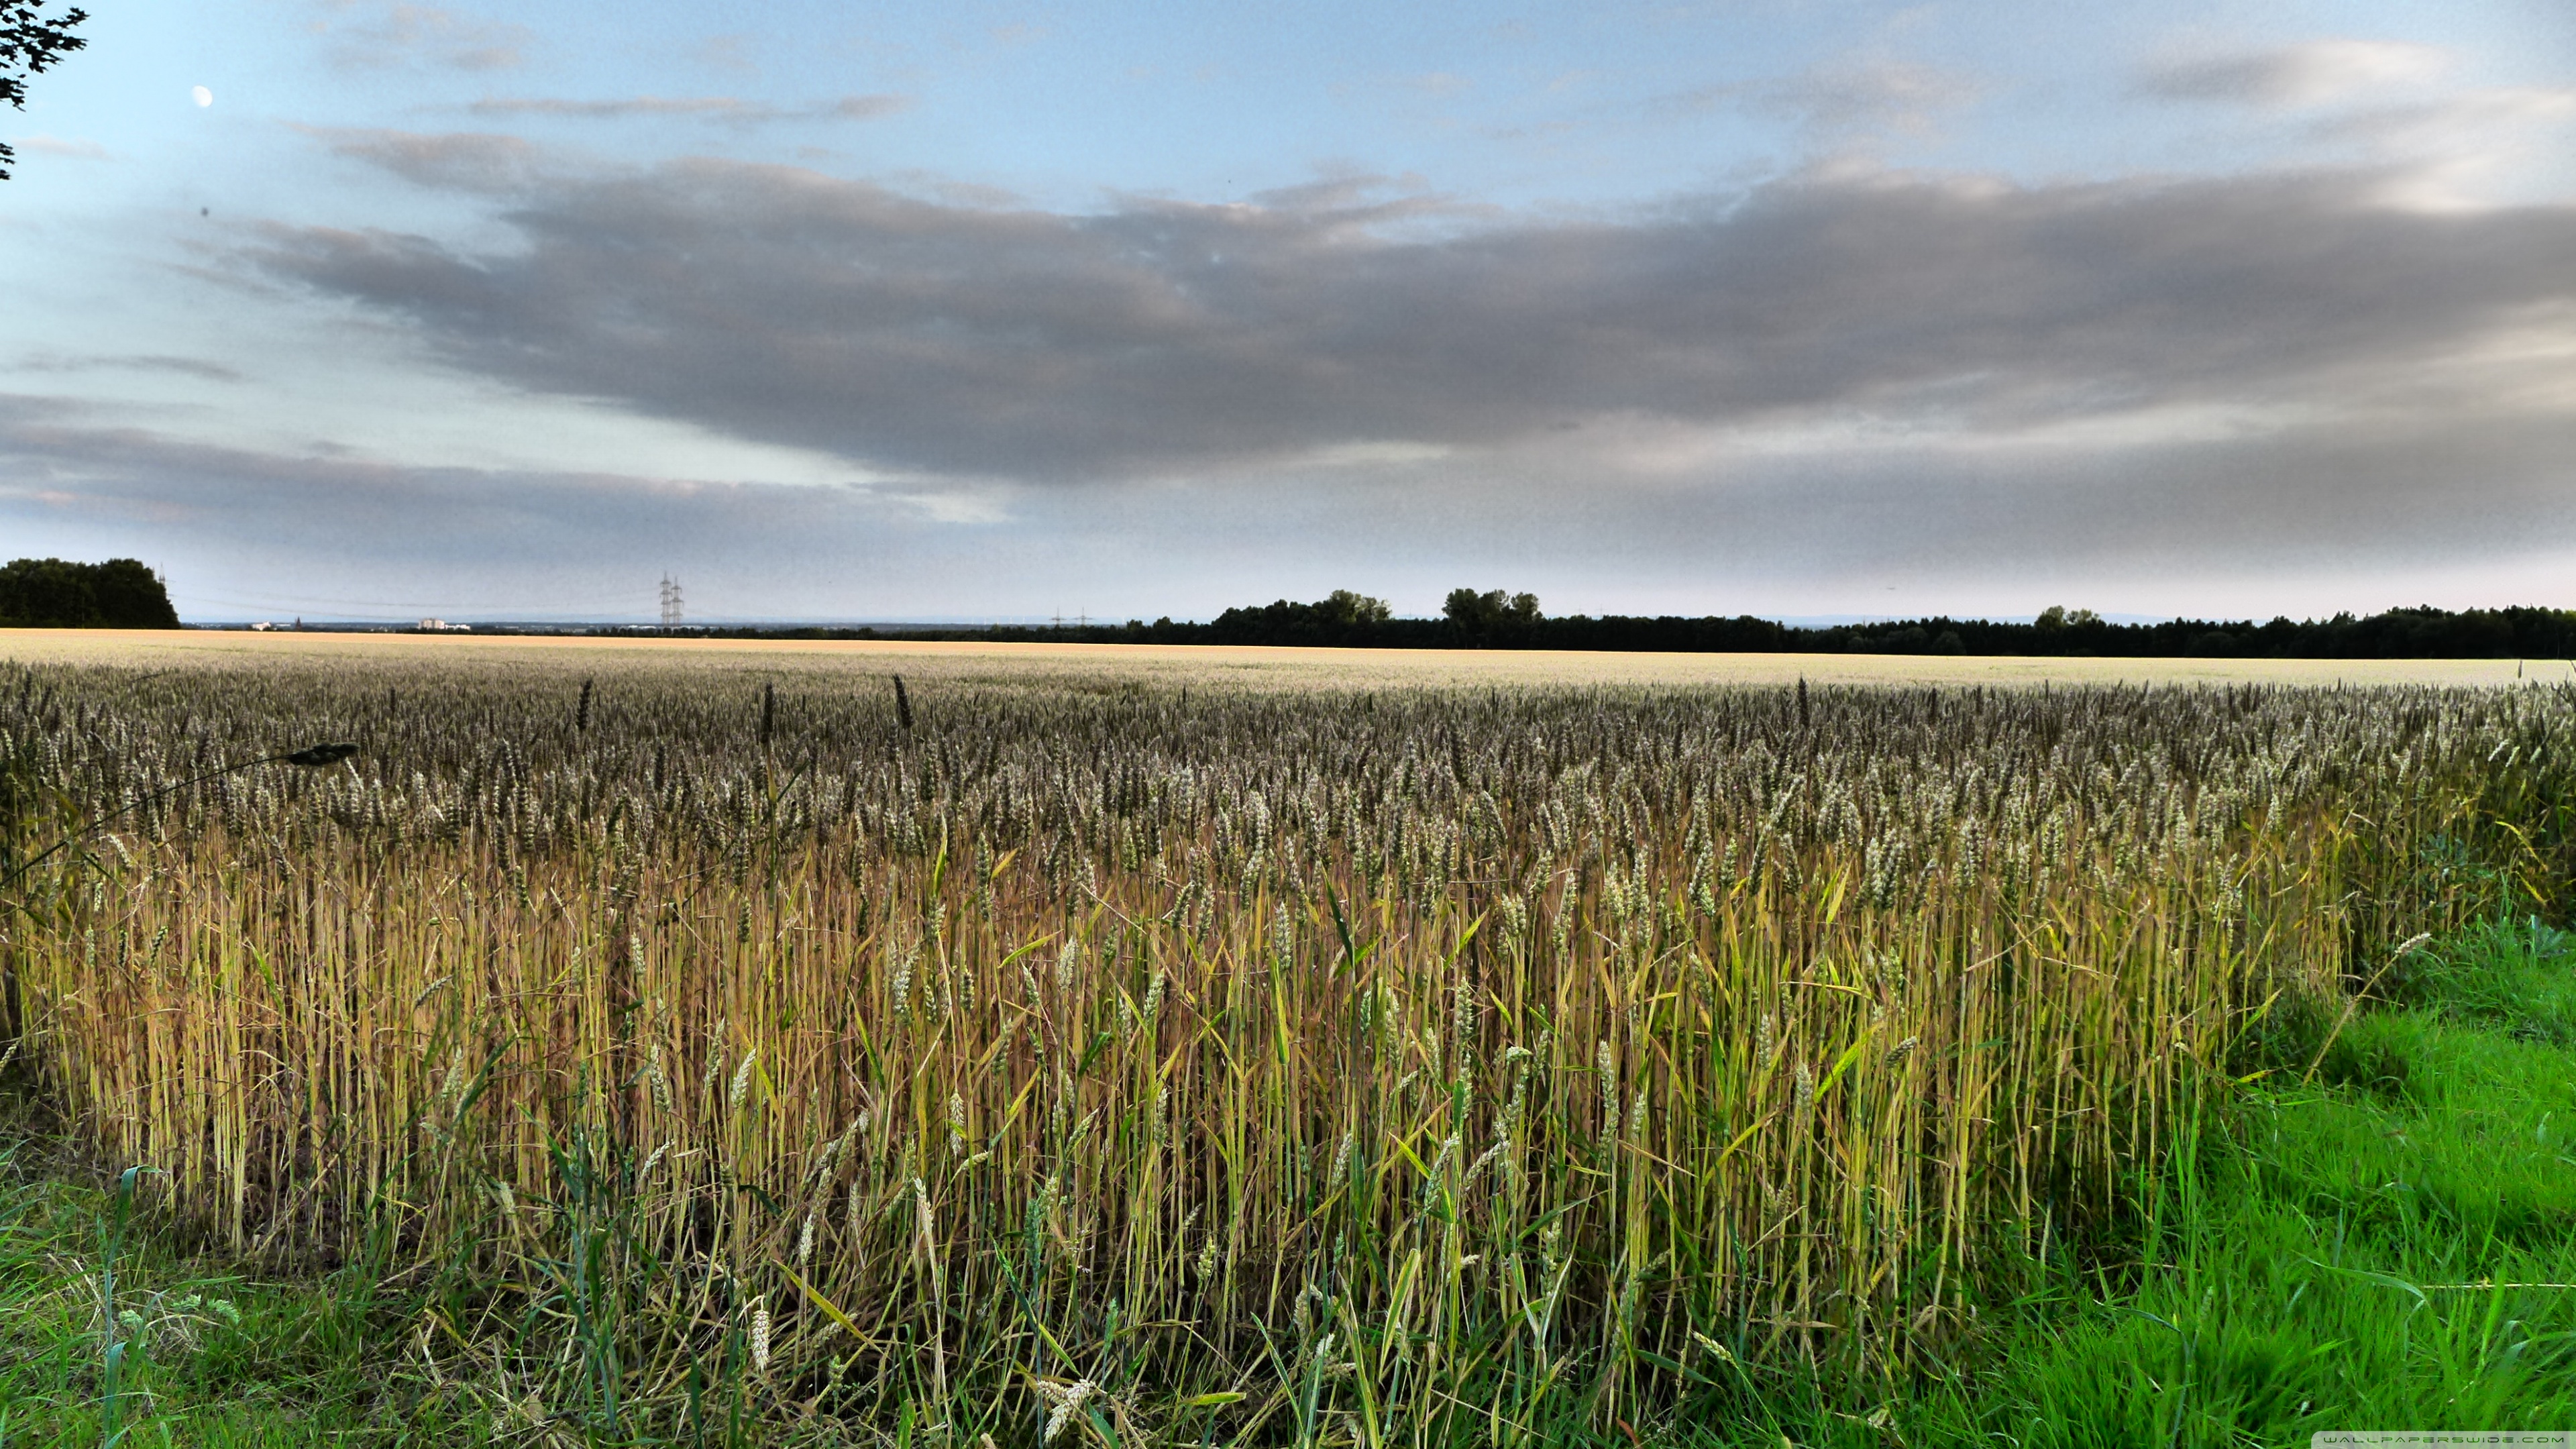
(1036, 1047)
(1176, 664)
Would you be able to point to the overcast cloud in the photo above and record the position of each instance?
(2309, 74)
(731, 109)
(1163, 338)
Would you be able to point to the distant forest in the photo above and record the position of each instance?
(49, 593)
(1499, 620)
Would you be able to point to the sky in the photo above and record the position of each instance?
(991, 310)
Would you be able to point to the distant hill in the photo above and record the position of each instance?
(52, 593)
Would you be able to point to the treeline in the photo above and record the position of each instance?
(2421, 633)
(1497, 620)
(51, 593)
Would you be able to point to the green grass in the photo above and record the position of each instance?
(2329, 1268)
(2343, 1254)
(2514, 979)
(211, 1357)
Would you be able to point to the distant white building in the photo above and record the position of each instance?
(441, 626)
(263, 626)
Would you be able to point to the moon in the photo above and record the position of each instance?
(202, 96)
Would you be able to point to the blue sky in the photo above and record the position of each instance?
(1001, 310)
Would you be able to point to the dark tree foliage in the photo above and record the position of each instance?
(30, 44)
(2422, 633)
(1492, 619)
(1497, 620)
(50, 593)
(2418, 633)
(1340, 618)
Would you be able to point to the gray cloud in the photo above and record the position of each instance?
(1841, 103)
(1164, 338)
(2311, 73)
(70, 148)
(196, 367)
(2214, 524)
(711, 108)
(245, 531)
(405, 34)
(456, 161)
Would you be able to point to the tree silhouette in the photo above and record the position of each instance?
(1493, 617)
(30, 44)
(1353, 611)
(49, 593)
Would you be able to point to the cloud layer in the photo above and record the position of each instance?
(1162, 339)
(2314, 73)
(731, 109)
(2299, 521)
